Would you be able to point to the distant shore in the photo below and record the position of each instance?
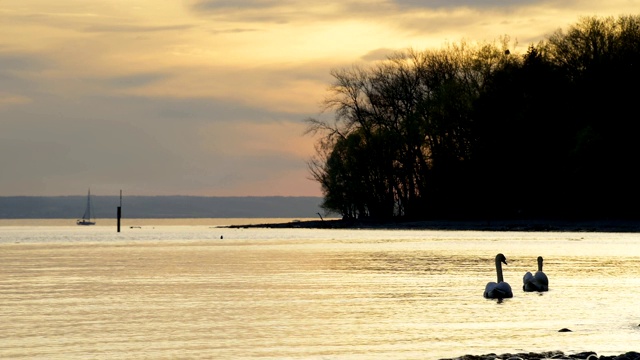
(493, 225)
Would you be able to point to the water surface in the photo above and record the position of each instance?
(163, 291)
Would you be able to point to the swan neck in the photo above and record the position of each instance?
(499, 271)
(539, 264)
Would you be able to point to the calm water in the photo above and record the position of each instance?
(166, 291)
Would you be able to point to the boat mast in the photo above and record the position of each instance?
(88, 212)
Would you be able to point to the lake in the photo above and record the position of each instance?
(189, 289)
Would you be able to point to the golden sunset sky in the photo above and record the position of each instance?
(206, 97)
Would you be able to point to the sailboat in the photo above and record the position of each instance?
(86, 217)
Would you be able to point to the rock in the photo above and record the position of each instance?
(587, 355)
(583, 355)
(631, 355)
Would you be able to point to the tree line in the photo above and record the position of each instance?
(475, 130)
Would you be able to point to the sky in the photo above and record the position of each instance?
(209, 97)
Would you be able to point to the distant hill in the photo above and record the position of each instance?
(143, 207)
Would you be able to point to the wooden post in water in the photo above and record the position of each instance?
(120, 211)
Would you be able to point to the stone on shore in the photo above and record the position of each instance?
(588, 355)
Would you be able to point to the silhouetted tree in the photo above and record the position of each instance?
(480, 131)
(599, 56)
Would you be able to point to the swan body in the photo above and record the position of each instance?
(499, 289)
(537, 281)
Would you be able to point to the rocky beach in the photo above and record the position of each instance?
(632, 355)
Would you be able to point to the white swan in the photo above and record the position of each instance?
(500, 289)
(537, 282)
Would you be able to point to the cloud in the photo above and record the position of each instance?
(379, 54)
(12, 99)
(452, 4)
(151, 146)
(136, 28)
(204, 97)
(212, 5)
(233, 31)
(11, 62)
(279, 11)
(136, 80)
(74, 151)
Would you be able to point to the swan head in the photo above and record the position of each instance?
(501, 259)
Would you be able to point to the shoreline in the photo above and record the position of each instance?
(619, 226)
